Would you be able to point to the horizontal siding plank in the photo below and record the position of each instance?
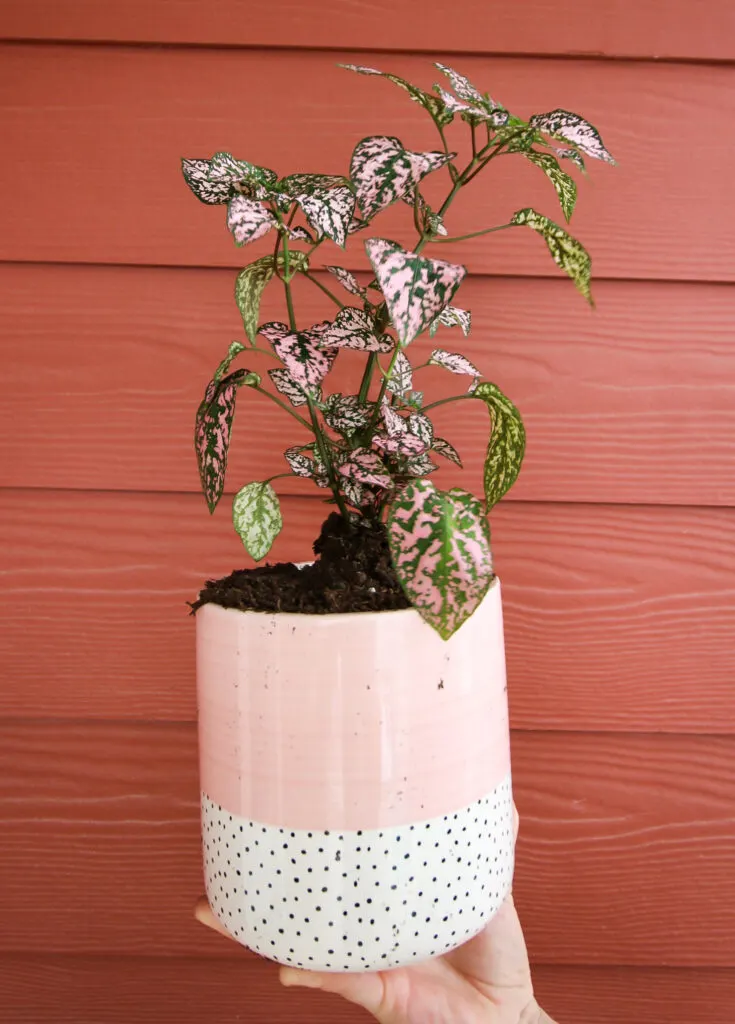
(536, 26)
(625, 853)
(97, 134)
(70, 989)
(634, 402)
(616, 618)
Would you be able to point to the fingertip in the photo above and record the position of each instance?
(203, 914)
(291, 976)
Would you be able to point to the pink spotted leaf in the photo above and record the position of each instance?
(440, 548)
(354, 329)
(196, 176)
(382, 171)
(399, 444)
(416, 289)
(563, 124)
(366, 467)
(452, 316)
(212, 431)
(299, 234)
(348, 281)
(248, 220)
(300, 352)
(288, 387)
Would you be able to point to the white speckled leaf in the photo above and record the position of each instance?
(421, 426)
(416, 289)
(256, 516)
(564, 184)
(507, 442)
(345, 414)
(442, 447)
(451, 316)
(354, 492)
(196, 176)
(301, 352)
(566, 252)
(300, 464)
(300, 184)
(366, 467)
(420, 466)
(354, 329)
(571, 154)
(462, 86)
(288, 387)
(382, 170)
(348, 281)
(248, 220)
(300, 234)
(454, 362)
(401, 379)
(563, 124)
(434, 106)
(329, 212)
(440, 547)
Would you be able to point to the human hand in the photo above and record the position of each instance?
(485, 981)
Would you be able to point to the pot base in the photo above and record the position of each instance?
(359, 900)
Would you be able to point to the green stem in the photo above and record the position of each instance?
(286, 408)
(277, 476)
(323, 288)
(444, 401)
(367, 378)
(327, 460)
(475, 234)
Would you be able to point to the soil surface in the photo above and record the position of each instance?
(352, 573)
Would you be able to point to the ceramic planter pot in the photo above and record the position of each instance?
(355, 776)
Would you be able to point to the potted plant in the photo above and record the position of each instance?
(353, 725)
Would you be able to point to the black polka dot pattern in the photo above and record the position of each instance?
(359, 900)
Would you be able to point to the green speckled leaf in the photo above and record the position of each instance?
(566, 252)
(565, 185)
(256, 516)
(507, 442)
(252, 281)
(432, 104)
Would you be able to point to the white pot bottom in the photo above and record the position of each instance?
(359, 900)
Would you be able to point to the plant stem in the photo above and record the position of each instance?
(444, 401)
(367, 378)
(327, 460)
(475, 234)
(277, 476)
(321, 441)
(323, 288)
(286, 408)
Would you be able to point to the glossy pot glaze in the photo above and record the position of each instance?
(355, 776)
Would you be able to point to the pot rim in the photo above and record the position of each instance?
(325, 616)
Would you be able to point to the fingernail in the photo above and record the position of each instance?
(290, 976)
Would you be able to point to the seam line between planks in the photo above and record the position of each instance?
(591, 55)
(235, 267)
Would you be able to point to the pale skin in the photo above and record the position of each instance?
(485, 981)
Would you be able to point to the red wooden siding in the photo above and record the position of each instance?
(619, 28)
(617, 548)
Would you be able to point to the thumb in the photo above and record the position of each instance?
(366, 990)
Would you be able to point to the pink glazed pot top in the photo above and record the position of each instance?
(350, 721)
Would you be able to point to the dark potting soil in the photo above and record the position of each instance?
(352, 573)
